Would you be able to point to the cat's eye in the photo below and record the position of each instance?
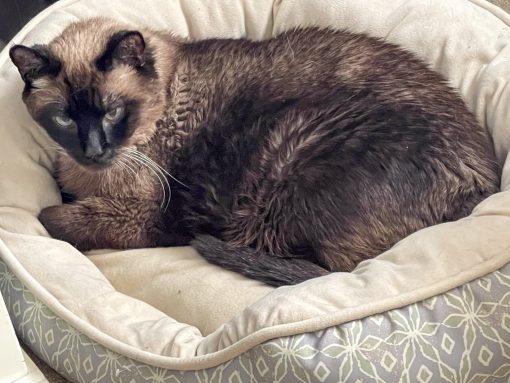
(63, 121)
(115, 113)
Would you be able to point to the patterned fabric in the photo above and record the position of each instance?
(459, 336)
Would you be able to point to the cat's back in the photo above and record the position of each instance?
(339, 123)
(313, 61)
(312, 64)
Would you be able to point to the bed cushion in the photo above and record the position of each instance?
(170, 307)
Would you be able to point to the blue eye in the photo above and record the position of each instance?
(63, 121)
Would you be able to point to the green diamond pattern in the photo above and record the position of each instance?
(485, 283)
(235, 377)
(505, 322)
(68, 366)
(321, 371)
(447, 343)
(485, 356)
(388, 361)
(49, 337)
(31, 336)
(424, 374)
(16, 308)
(87, 365)
(262, 366)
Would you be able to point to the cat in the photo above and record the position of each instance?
(283, 159)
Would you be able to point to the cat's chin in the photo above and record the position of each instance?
(90, 166)
(93, 166)
(98, 167)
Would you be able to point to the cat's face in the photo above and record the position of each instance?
(92, 89)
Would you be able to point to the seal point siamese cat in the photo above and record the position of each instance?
(282, 159)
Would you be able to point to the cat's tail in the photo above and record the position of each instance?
(260, 266)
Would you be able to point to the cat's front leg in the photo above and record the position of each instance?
(96, 222)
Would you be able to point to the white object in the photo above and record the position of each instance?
(15, 365)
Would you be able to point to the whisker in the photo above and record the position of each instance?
(123, 161)
(158, 174)
(157, 169)
(155, 173)
(135, 151)
(125, 167)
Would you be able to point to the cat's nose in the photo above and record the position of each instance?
(95, 151)
(100, 156)
(96, 146)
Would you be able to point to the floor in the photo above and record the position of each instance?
(50, 374)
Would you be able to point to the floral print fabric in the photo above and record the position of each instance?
(460, 336)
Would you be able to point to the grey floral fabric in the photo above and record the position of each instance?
(460, 336)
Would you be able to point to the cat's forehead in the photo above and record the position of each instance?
(81, 44)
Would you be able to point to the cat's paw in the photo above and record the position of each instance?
(59, 223)
(52, 219)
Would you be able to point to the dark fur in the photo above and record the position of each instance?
(274, 271)
(296, 156)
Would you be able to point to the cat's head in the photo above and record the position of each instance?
(95, 89)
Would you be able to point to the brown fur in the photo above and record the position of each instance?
(317, 144)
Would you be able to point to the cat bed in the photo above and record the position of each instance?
(434, 307)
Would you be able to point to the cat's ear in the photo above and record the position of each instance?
(130, 49)
(125, 47)
(32, 63)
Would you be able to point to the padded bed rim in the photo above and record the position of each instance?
(194, 363)
(256, 363)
